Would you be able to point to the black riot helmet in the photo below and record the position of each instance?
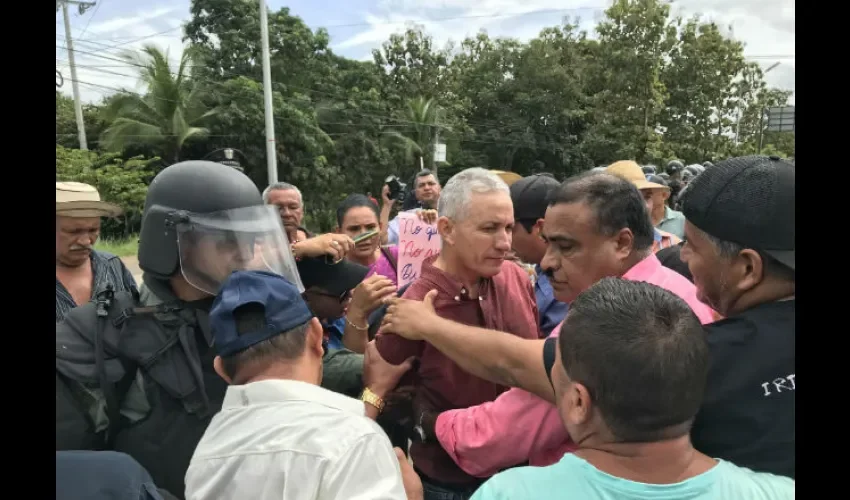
(206, 220)
(694, 168)
(674, 167)
(648, 169)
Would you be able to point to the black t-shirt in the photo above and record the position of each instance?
(748, 413)
(671, 258)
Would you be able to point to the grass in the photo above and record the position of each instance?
(122, 248)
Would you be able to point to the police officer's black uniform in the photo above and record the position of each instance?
(134, 373)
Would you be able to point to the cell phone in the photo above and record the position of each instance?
(365, 236)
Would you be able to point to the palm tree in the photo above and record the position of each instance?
(167, 115)
(414, 133)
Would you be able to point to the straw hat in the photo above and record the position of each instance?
(508, 177)
(631, 171)
(75, 199)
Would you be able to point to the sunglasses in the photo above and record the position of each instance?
(341, 298)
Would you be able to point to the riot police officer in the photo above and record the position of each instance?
(134, 373)
(674, 168)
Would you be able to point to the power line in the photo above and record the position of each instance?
(492, 124)
(96, 8)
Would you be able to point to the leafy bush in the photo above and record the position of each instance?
(119, 181)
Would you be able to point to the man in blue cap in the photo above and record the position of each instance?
(104, 475)
(279, 434)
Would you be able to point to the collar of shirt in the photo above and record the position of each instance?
(644, 270)
(101, 276)
(282, 391)
(333, 331)
(448, 284)
(542, 285)
(670, 214)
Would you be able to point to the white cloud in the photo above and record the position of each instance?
(100, 68)
(766, 27)
(118, 23)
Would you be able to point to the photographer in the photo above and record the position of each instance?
(427, 193)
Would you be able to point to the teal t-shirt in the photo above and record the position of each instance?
(574, 478)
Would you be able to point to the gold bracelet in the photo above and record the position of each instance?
(355, 326)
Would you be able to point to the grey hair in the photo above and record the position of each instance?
(455, 195)
(726, 249)
(772, 267)
(281, 186)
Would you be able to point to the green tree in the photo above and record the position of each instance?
(702, 106)
(226, 36)
(123, 182)
(627, 92)
(414, 134)
(754, 99)
(167, 116)
(413, 66)
(66, 122)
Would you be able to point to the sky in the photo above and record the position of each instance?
(766, 27)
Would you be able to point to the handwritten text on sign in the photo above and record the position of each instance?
(416, 242)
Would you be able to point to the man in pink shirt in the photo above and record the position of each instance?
(596, 226)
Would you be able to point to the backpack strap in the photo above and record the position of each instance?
(377, 316)
(114, 393)
(389, 256)
(113, 404)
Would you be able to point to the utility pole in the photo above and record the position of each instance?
(78, 105)
(271, 150)
(436, 139)
(439, 150)
(740, 108)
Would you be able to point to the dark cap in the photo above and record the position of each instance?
(749, 200)
(529, 196)
(284, 308)
(657, 179)
(335, 279)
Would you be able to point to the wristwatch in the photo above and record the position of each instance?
(373, 399)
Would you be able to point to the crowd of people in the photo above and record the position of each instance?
(623, 334)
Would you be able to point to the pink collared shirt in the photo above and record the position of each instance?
(519, 426)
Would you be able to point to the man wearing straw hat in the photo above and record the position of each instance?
(81, 271)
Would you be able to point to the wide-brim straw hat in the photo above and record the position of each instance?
(76, 199)
(631, 171)
(508, 177)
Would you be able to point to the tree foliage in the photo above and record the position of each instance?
(648, 86)
(123, 182)
(167, 116)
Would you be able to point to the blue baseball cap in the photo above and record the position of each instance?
(284, 307)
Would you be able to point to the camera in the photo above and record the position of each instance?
(398, 189)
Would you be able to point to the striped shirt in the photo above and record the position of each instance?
(107, 269)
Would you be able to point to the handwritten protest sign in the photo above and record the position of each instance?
(416, 242)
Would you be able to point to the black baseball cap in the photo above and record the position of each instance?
(335, 279)
(749, 200)
(529, 196)
(284, 309)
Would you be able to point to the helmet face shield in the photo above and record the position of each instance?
(214, 245)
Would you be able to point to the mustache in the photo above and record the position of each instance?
(81, 247)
